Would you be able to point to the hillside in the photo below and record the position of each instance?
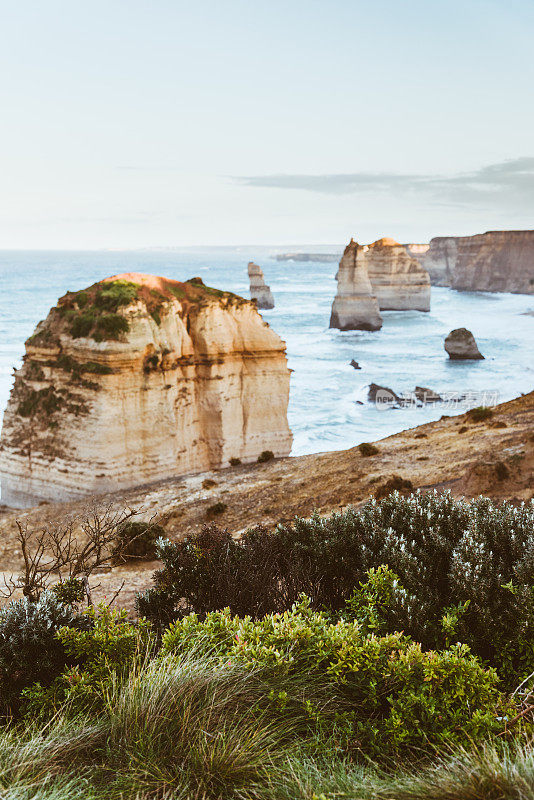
(494, 457)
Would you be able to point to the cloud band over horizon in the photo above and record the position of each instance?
(508, 183)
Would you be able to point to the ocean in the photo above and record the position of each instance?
(328, 407)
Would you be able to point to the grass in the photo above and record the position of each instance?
(191, 729)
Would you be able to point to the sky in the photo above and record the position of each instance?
(162, 123)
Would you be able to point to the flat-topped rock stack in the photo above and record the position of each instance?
(139, 378)
(259, 291)
(398, 280)
(355, 306)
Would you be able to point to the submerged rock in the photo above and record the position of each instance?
(355, 364)
(460, 344)
(140, 378)
(355, 306)
(259, 291)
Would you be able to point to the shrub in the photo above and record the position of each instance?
(110, 326)
(394, 484)
(480, 414)
(447, 554)
(234, 462)
(367, 449)
(114, 294)
(29, 648)
(265, 455)
(98, 655)
(394, 698)
(136, 540)
(216, 509)
(208, 483)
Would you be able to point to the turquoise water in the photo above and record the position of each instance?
(324, 411)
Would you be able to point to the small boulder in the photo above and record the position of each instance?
(460, 344)
(355, 364)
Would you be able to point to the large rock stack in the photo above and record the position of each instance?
(355, 306)
(140, 378)
(398, 279)
(259, 291)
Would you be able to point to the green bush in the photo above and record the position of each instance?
(393, 697)
(114, 294)
(29, 648)
(99, 655)
(447, 555)
(110, 326)
(234, 462)
(265, 455)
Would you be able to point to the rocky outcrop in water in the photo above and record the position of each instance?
(259, 291)
(460, 344)
(496, 261)
(140, 378)
(355, 306)
(398, 280)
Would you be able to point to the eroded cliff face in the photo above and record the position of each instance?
(140, 378)
(496, 261)
(355, 306)
(398, 280)
(440, 260)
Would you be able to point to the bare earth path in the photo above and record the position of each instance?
(494, 457)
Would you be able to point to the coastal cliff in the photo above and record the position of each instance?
(140, 378)
(398, 280)
(496, 261)
(355, 306)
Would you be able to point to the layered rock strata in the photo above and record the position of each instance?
(259, 291)
(355, 306)
(140, 378)
(496, 261)
(398, 280)
(460, 345)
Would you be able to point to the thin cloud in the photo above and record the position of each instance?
(507, 182)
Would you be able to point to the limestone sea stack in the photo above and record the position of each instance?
(139, 378)
(259, 291)
(460, 344)
(496, 261)
(398, 280)
(355, 306)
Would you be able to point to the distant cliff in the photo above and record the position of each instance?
(496, 261)
(139, 378)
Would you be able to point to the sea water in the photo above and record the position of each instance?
(328, 406)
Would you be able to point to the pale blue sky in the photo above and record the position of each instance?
(129, 123)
